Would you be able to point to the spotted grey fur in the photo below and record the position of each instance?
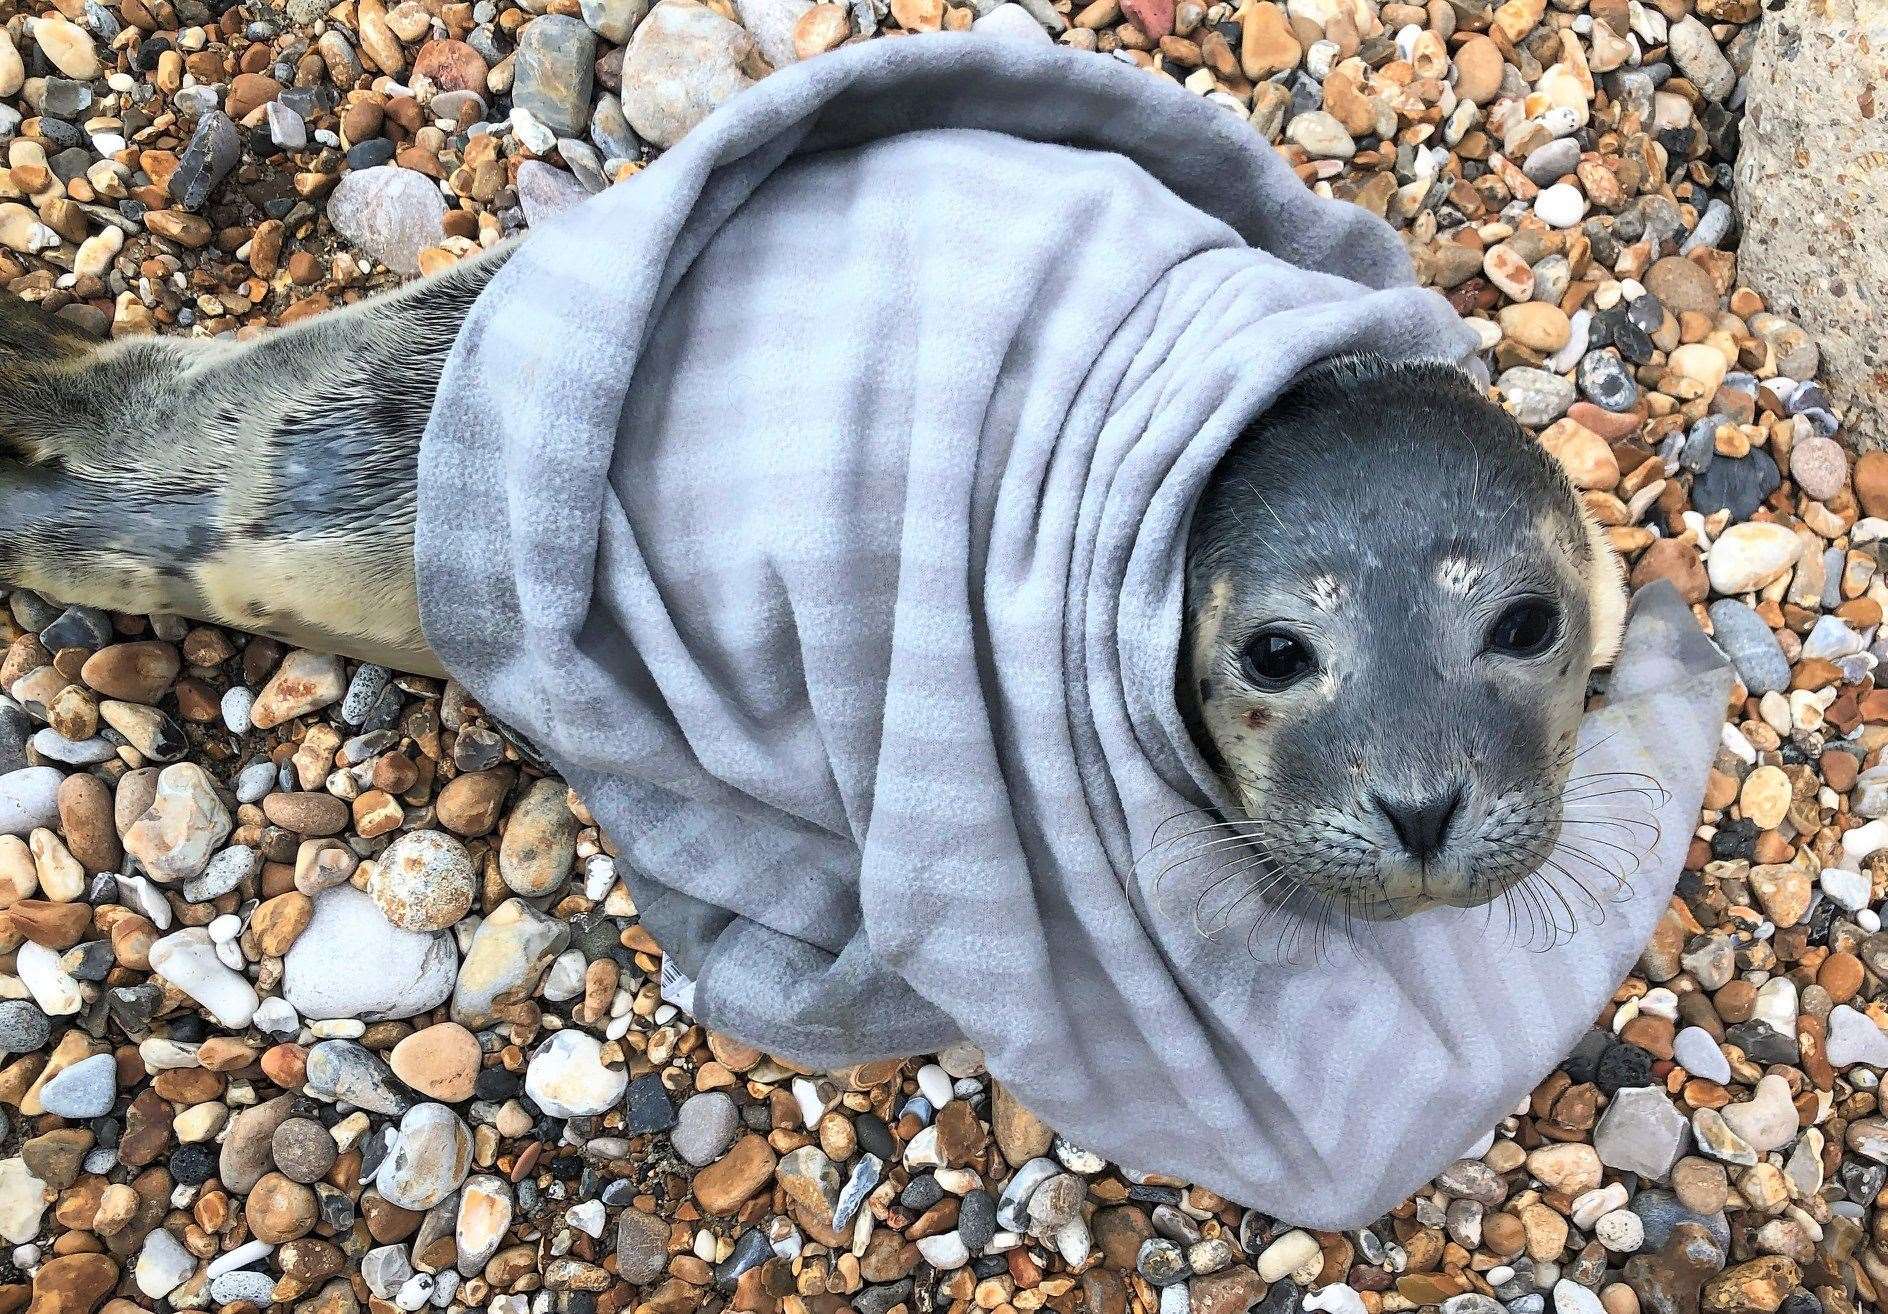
(267, 485)
(1387, 516)
(1382, 511)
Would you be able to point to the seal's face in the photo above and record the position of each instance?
(1394, 603)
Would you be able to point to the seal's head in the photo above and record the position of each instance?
(1394, 601)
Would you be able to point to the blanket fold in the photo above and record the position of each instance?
(817, 501)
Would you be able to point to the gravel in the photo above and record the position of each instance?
(1718, 1138)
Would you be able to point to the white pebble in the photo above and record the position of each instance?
(1560, 206)
(935, 1085)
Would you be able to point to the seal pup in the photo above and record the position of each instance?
(1394, 598)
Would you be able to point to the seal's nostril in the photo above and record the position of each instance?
(1422, 824)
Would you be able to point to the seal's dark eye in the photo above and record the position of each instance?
(1274, 659)
(1526, 629)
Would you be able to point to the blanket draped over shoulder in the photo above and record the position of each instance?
(816, 501)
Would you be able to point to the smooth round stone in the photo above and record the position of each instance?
(423, 882)
(322, 977)
(1537, 325)
(303, 1150)
(1747, 557)
(567, 1077)
(29, 800)
(540, 841)
(1700, 362)
(440, 1062)
(188, 960)
(85, 1090)
(1751, 645)
(1695, 1051)
(73, 752)
(682, 63)
(1536, 397)
(428, 1161)
(242, 1285)
(1560, 206)
(391, 213)
(23, 1027)
(705, 1126)
(1548, 163)
(1604, 381)
(1819, 466)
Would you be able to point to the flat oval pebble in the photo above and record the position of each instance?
(413, 971)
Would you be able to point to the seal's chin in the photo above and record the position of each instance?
(1405, 888)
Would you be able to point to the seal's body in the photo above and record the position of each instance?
(1395, 598)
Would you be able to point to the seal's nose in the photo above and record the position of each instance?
(1422, 824)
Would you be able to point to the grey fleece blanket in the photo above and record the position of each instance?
(817, 500)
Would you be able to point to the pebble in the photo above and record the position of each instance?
(1746, 557)
(1535, 396)
(414, 971)
(539, 843)
(29, 800)
(567, 1077)
(393, 214)
(423, 882)
(684, 60)
(163, 1264)
(188, 960)
(1641, 1132)
(1854, 1038)
(174, 837)
(554, 70)
(509, 951)
(705, 1126)
(87, 1089)
(1751, 645)
(429, 1160)
(440, 1062)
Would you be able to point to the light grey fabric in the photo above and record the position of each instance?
(816, 501)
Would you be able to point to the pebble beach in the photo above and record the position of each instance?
(318, 995)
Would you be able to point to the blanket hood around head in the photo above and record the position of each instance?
(816, 501)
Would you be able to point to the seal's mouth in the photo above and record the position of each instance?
(1302, 884)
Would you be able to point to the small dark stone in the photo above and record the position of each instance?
(1604, 381)
(875, 1137)
(373, 151)
(976, 1219)
(1763, 1042)
(192, 1165)
(881, 1300)
(1583, 1064)
(1622, 1066)
(752, 1250)
(1161, 1262)
(921, 1193)
(77, 627)
(1739, 483)
(215, 148)
(649, 1106)
(1734, 839)
(498, 1084)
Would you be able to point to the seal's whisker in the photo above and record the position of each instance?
(1239, 869)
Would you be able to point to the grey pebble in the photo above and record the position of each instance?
(87, 1089)
(1751, 646)
(1537, 397)
(704, 1127)
(23, 1028)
